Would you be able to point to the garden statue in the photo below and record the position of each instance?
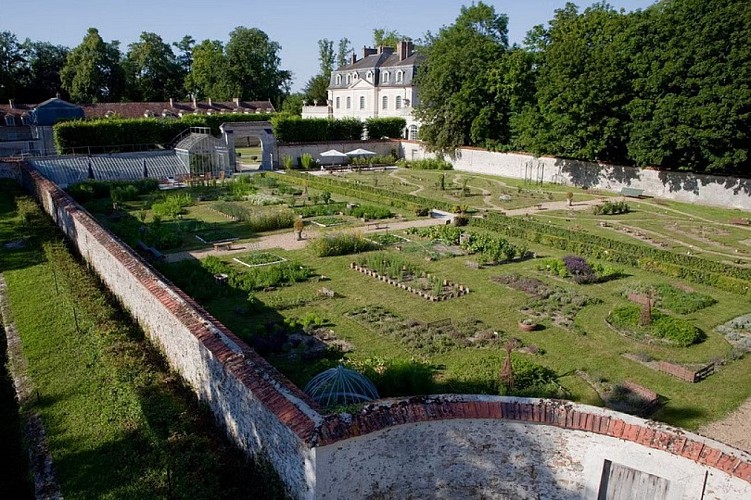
(298, 226)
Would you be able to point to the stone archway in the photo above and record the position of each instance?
(262, 130)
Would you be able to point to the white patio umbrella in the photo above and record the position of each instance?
(333, 153)
(360, 152)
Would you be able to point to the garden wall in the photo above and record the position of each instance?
(261, 410)
(316, 148)
(438, 446)
(502, 447)
(729, 192)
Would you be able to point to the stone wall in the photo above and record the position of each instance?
(728, 192)
(437, 446)
(501, 447)
(316, 148)
(261, 410)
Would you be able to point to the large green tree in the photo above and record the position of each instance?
(209, 75)
(459, 102)
(92, 71)
(316, 89)
(343, 48)
(152, 70)
(43, 63)
(11, 65)
(253, 63)
(387, 38)
(583, 86)
(692, 104)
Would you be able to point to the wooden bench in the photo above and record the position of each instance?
(223, 245)
(632, 192)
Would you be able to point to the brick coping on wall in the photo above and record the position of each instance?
(564, 414)
(278, 394)
(300, 414)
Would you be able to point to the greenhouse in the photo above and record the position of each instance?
(203, 155)
(340, 386)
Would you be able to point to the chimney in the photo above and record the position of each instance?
(382, 49)
(171, 103)
(404, 49)
(353, 58)
(367, 51)
(11, 103)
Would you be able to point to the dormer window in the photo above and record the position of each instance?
(369, 76)
(355, 76)
(385, 77)
(349, 79)
(399, 76)
(25, 119)
(338, 79)
(10, 120)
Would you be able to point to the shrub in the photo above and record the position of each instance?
(673, 330)
(611, 208)
(341, 244)
(295, 129)
(369, 212)
(426, 164)
(306, 161)
(172, 206)
(128, 190)
(385, 127)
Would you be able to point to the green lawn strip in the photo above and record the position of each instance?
(119, 424)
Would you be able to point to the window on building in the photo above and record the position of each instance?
(338, 79)
(412, 134)
(10, 120)
(338, 102)
(349, 79)
(386, 77)
(349, 102)
(385, 102)
(369, 76)
(355, 76)
(362, 102)
(399, 76)
(25, 119)
(398, 103)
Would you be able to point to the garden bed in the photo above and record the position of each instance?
(737, 331)
(630, 322)
(259, 259)
(328, 221)
(408, 277)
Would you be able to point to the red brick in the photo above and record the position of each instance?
(727, 463)
(743, 471)
(631, 432)
(677, 444)
(495, 410)
(616, 427)
(692, 450)
(662, 440)
(646, 436)
(709, 456)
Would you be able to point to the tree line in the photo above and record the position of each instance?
(247, 66)
(667, 86)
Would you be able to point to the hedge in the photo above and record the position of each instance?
(115, 134)
(691, 268)
(295, 129)
(379, 128)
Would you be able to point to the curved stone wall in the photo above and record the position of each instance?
(502, 447)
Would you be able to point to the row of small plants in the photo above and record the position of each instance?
(426, 164)
(611, 208)
(409, 276)
(257, 221)
(579, 270)
(691, 268)
(370, 193)
(257, 278)
(389, 159)
(672, 298)
(630, 320)
(370, 212)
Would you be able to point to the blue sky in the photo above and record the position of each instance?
(296, 25)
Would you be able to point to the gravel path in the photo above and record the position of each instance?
(734, 430)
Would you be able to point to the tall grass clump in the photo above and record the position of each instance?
(341, 244)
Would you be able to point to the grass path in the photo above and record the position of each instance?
(395, 175)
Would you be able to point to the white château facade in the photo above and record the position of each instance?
(379, 85)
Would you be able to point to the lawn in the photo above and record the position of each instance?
(118, 423)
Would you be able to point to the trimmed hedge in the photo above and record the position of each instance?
(115, 134)
(691, 268)
(385, 127)
(295, 129)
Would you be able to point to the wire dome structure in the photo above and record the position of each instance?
(340, 386)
